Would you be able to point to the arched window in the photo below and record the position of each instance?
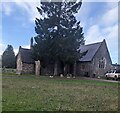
(102, 63)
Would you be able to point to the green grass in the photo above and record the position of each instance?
(30, 93)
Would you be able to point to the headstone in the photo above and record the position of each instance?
(61, 75)
(37, 67)
(68, 76)
(51, 76)
(73, 76)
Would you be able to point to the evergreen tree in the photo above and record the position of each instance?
(59, 34)
(8, 58)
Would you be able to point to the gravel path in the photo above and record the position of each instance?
(97, 79)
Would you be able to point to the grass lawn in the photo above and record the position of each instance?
(30, 93)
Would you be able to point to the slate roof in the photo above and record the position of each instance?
(90, 50)
(26, 55)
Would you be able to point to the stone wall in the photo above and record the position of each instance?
(8, 70)
(83, 68)
(92, 68)
(102, 53)
(28, 68)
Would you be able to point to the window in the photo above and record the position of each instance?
(102, 63)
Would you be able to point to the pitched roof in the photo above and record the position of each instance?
(26, 55)
(90, 50)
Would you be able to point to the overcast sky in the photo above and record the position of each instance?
(98, 19)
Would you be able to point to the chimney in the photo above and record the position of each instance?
(31, 43)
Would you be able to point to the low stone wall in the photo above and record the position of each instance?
(8, 70)
(27, 68)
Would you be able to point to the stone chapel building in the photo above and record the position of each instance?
(95, 62)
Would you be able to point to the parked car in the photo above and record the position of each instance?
(113, 75)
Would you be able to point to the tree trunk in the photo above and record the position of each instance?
(65, 69)
(74, 73)
(56, 68)
(68, 69)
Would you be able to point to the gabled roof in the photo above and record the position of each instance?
(90, 50)
(26, 55)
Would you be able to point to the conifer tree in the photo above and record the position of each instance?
(8, 58)
(59, 34)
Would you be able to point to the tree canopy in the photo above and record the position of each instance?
(8, 58)
(59, 34)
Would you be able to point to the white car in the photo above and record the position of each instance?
(113, 74)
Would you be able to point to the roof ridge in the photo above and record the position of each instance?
(93, 43)
(25, 48)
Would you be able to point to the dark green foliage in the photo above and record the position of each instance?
(8, 58)
(59, 35)
(31, 42)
